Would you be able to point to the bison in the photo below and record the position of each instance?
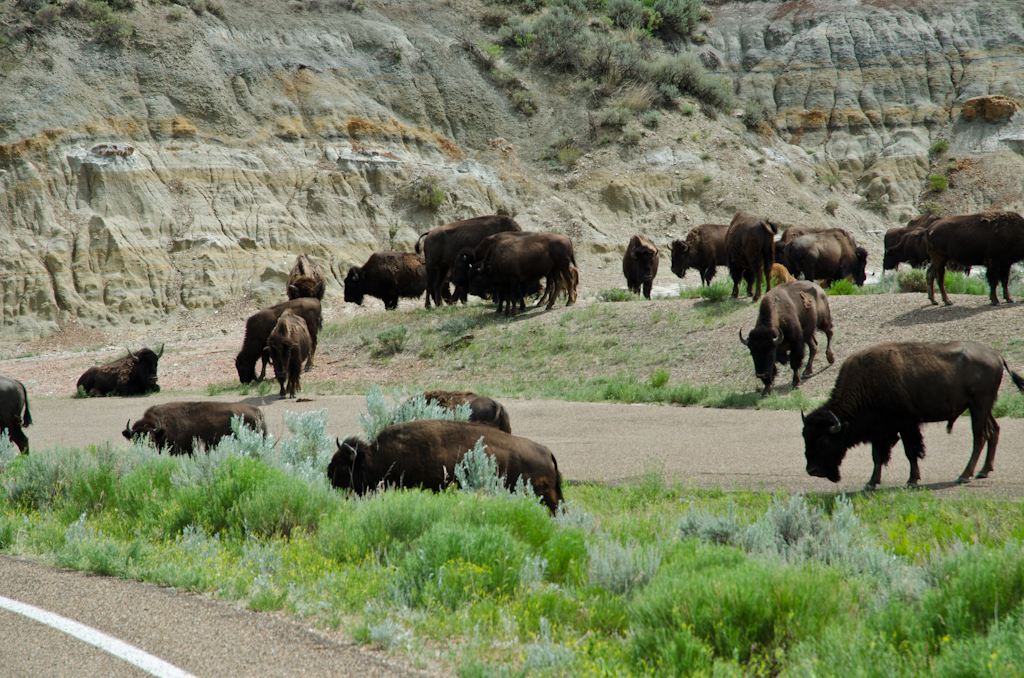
(442, 244)
(750, 246)
(424, 453)
(14, 412)
(886, 391)
(994, 239)
(513, 267)
(387, 276)
(786, 321)
(780, 274)
(703, 249)
(907, 243)
(483, 410)
(640, 264)
(306, 279)
(830, 255)
(258, 328)
(288, 345)
(134, 374)
(177, 425)
(789, 235)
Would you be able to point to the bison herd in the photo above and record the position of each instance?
(882, 393)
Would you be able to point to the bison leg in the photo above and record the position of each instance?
(757, 280)
(647, 289)
(391, 303)
(735, 274)
(828, 347)
(994, 277)
(938, 270)
(990, 454)
(985, 429)
(312, 354)
(1006, 282)
(812, 350)
(881, 451)
(913, 447)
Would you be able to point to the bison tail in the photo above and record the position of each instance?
(26, 420)
(1018, 381)
(418, 241)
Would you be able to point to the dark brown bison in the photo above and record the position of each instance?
(134, 374)
(387, 276)
(750, 245)
(788, 235)
(640, 264)
(306, 279)
(907, 243)
(424, 454)
(786, 321)
(887, 391)
(258, 328)
(483, 410)
(177, 425)
(703, 250)
(830, 255)
(289, 345)
(442, 244)
(14, 412)
(513, 267)
(993, 239)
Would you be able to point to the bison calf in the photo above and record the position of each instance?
(289, 345)
(177, 425)
(424, 454)
(483, 410)
(14, 412)
(786, 321)
(640, 264)
(134, 374)
(387, 276)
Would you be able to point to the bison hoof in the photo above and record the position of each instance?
(912, 485)
(831, 357)
(949, 303)
(934, 303)
(982, 475)
(870, 487)
(963, 480)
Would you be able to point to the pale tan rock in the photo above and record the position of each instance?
(994, 108)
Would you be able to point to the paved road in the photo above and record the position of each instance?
(707, 448)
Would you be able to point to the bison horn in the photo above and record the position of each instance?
(742, 340)
(778, 340)
(127, 433)
(161, 353)
(159, 427)
(134, 357)
(837, 427)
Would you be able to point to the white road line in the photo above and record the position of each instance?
(118, 648)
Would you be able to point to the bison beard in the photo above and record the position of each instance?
(887, 391)
(424, 454)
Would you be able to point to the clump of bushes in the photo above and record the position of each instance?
(940, 146)
(427, 191)
(831, 206)
(937, 183)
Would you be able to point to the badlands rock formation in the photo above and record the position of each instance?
(188, 168)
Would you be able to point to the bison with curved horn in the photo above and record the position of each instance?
(175, 426)
(134, 374)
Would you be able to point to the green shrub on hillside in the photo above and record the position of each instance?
(937, 183)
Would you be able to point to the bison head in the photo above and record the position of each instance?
(860, 268)
(246, 368)
(341, 472)
(645, 262)
(145, 428)
(763, 342)
(680, 257)
(305, 286)
(354, 290)
(143, 373)
(461, 268)
(826, 440)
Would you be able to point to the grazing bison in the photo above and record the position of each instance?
(750, 245)
(513, 267)
(908, 243)
(830, 255)
(483, 410)
(306, 279)
(14, 412)
(786, 321)
(887, 391)
(424, 454)
(994, 239)
(780, 275)
(258, 328)
(387, 276)
(177, 425)
(640, 264)
(703, 249)
(134, 374)
(289, 344)
(442, 244)
(788, 235)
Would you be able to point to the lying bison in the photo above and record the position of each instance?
(640, 264)
(306, 279)
(703, 250)
(424, 454)
(387, 276)
(994, 239)
(483, 410)
(829, 255)
(134, 374)
(887, 391)
(258, 328)
(750, 245)
(174, 426)
(289, 346)
(442, 244)
(14, 412)
(786, 321)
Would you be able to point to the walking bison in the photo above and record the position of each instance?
(14, 412)
(886, 391)
(289, 345)
(387, 276)
(175, 426)
(134, 374)
(424, 454)
(640, 264)
(258, 328)
(993, 239)
(703, 250)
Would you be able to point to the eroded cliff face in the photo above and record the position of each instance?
(189, 168)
